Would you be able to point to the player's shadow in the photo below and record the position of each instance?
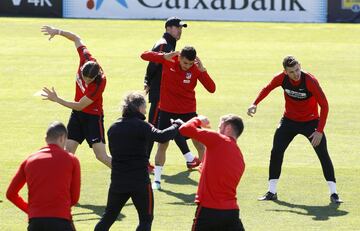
(95, 209)
(318, 213)
(182, 178)
(186, 199)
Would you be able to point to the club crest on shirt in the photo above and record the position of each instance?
(188, 75)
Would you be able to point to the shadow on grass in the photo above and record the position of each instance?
(186, 198)
(318, 213)
(182, 178)
(95, 209)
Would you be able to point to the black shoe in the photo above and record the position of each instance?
(334, 198)
(269, 196)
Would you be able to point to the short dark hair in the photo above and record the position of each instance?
(188, 52)
(235, 122)
(289, 61)
(56, 130)
(132, 102)
(91, 69)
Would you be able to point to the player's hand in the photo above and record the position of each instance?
(49, 30)
(316, 138)
(179, 122)
(205, 123)
(49, 94)
(251, 110)
(199, 64)
(146, 89)
(169, 56)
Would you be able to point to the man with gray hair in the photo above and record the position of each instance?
(53, 180)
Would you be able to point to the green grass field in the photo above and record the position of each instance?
(242, 58)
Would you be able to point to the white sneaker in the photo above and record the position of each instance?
(156, 185)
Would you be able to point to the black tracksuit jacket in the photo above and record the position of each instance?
(128, 139)
(154, 70)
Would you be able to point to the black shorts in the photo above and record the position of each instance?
(207, 219)
(164, 118)
(83, 126)
(49, 223)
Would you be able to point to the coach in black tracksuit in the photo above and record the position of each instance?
(128, 138)
(152, 78)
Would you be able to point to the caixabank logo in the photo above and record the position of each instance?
(234, 10)
(97, 4)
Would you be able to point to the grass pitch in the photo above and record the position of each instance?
(242, 58)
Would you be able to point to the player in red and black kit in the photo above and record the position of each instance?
(52, 176)
(166, 44)
(180, 74)
(87, 116)
(302, 94)
(222, 169)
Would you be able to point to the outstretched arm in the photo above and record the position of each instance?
(274, 83)
(165, 135)
(52, 31)
(77, 106)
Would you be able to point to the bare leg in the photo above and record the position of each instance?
(100, 153)
(160, 156)
(200, 148)
(71, 146)
(159, 163)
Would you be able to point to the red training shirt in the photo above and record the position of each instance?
(223, 166)
(300, 110)
(177, 94)
(82, 89)
(53, 179)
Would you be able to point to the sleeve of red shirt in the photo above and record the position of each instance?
(153, 56)
(84, 54)
(314, 87)
(191, 129)
(274, 83)
(75, 182)
(207, 82)
(89, 92)
(15, 186)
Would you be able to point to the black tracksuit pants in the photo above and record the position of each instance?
(143, 200)
(285, 133)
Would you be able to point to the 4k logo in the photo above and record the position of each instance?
(90, 3)
(35, 2)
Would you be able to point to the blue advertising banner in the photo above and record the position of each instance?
(224, 10)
